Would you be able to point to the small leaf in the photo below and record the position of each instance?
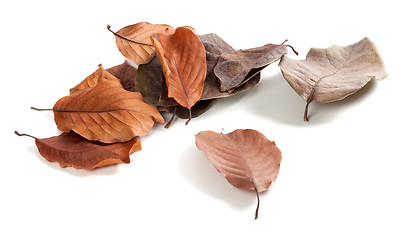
(72, 150)
(183, 59)
(140, 49)
(126, 74)
(106, 112)
(331, 74)
(246, 158)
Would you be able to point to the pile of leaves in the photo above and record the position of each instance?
(183, 73)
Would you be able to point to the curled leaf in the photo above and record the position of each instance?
(183, 60)
(235, 68)
(331, 74)
(92, 80)
(72, 150)
(106, 112)
(134, 41)
(246, 158)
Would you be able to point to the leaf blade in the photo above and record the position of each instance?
(105, 108)
(183, 59)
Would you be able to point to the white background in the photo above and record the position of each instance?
(343, 175)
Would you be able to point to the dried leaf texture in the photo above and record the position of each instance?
(72, 150)
(126, 74)
(183, 59)
(106, 112)
(92, 80)
(142, 51)
(235, 68)
(246, 158)
(331, 74)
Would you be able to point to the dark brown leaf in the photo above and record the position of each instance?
(126, 74)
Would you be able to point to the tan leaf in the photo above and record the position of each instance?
(246, 158)
(72, 150)
(183, 59)
(140, 49)
(106, 112)
(331, 74)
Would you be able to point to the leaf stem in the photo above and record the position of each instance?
(23, 134)
(306, 111)
(42, 109)
(190, 117)
(172, 119)
(256, 215)
(129, 40)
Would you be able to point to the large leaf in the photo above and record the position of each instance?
(72, 150)
(134, 41)
(331, 74)
(235, 68)
(182, 56)
(106, 112)
(246, 158)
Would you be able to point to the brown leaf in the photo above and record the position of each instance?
(72, 150)
(106, 112)
(233, 69)
(331, 74)
(92, 80)
(126, 74)
(150, 76)
(140, 49)
(182, 57)
(216, 47)
(246, 158)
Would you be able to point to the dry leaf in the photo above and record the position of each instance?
(126, 74)
(134, 41)
(182, 57)
(149, 81)
(92, 80)
(235, 68)
(331, 74)
(106, 112)
(72, 150)
(246, 158)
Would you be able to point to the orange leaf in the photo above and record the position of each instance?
(182, 56)
(72, 150)
(140, 48)
(91, 80)
(106, 112)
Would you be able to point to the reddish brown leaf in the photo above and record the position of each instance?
(246, 158)
(126, 74)
(182, 56)
(106, 112)
(140, 48)
(72, 150)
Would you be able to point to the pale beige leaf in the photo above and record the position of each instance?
(331, 74)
